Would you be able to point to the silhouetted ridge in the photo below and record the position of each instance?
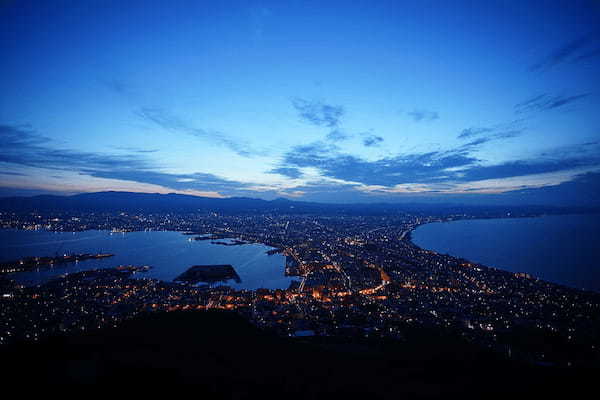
(172, 202)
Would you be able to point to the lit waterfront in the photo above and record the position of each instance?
(168, 253)
(359, 276)
(559, 248)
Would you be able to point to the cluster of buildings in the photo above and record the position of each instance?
(357, 276)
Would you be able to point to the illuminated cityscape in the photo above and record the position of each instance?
(358, 276)
(308, 199)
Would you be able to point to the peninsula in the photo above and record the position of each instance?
(31, 263)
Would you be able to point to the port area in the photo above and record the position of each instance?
(208, 274)
(33, 263)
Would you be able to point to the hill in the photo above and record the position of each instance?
(228, 357)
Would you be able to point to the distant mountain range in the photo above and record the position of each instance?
(154, 202)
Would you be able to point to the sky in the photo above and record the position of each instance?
(333, 101)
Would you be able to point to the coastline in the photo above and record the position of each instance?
(521, 271)
(41, 243)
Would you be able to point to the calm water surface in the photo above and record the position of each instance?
(563, 249)
(169, 253)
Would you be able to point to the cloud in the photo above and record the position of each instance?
(560, 189)
(185, 182)
(423, 115)
(563, 158)
(482, 135)
(421, 167)
(524, 168)
(486, 139)
(372, 140)
(293, 173)
(337, 135)
(10, 173)
(573, 51)
(581, 191)
(309, 155)
(437, 167)
(335, 172)
(169, 122)
(470, 132)
(318, 113)
(135, 149)
(21, 146)
(546, 102)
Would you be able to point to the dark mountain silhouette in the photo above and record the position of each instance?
(129, 201)
(154, 202)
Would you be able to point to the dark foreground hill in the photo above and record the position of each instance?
(229, 358)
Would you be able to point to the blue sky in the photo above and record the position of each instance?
(327, 100)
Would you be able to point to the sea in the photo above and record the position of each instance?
(168, 253)
(563, 249)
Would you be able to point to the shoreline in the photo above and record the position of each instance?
(34, 243)
(409, 237)
(406, 237)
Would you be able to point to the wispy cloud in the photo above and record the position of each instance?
(420, 167)
(582, 190)
(11, 173)
(23, 147)
(135, 149)
(470, 132)
(184, 182)
(486, 139)
(290, 172)
(481, 135)
(423, 115)
(172, 123)
(337, 135)
(574, 51)
(447, 171)
(526, 167)
(318, 113)
(546, 102)
(437, 167)
(372, 140)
